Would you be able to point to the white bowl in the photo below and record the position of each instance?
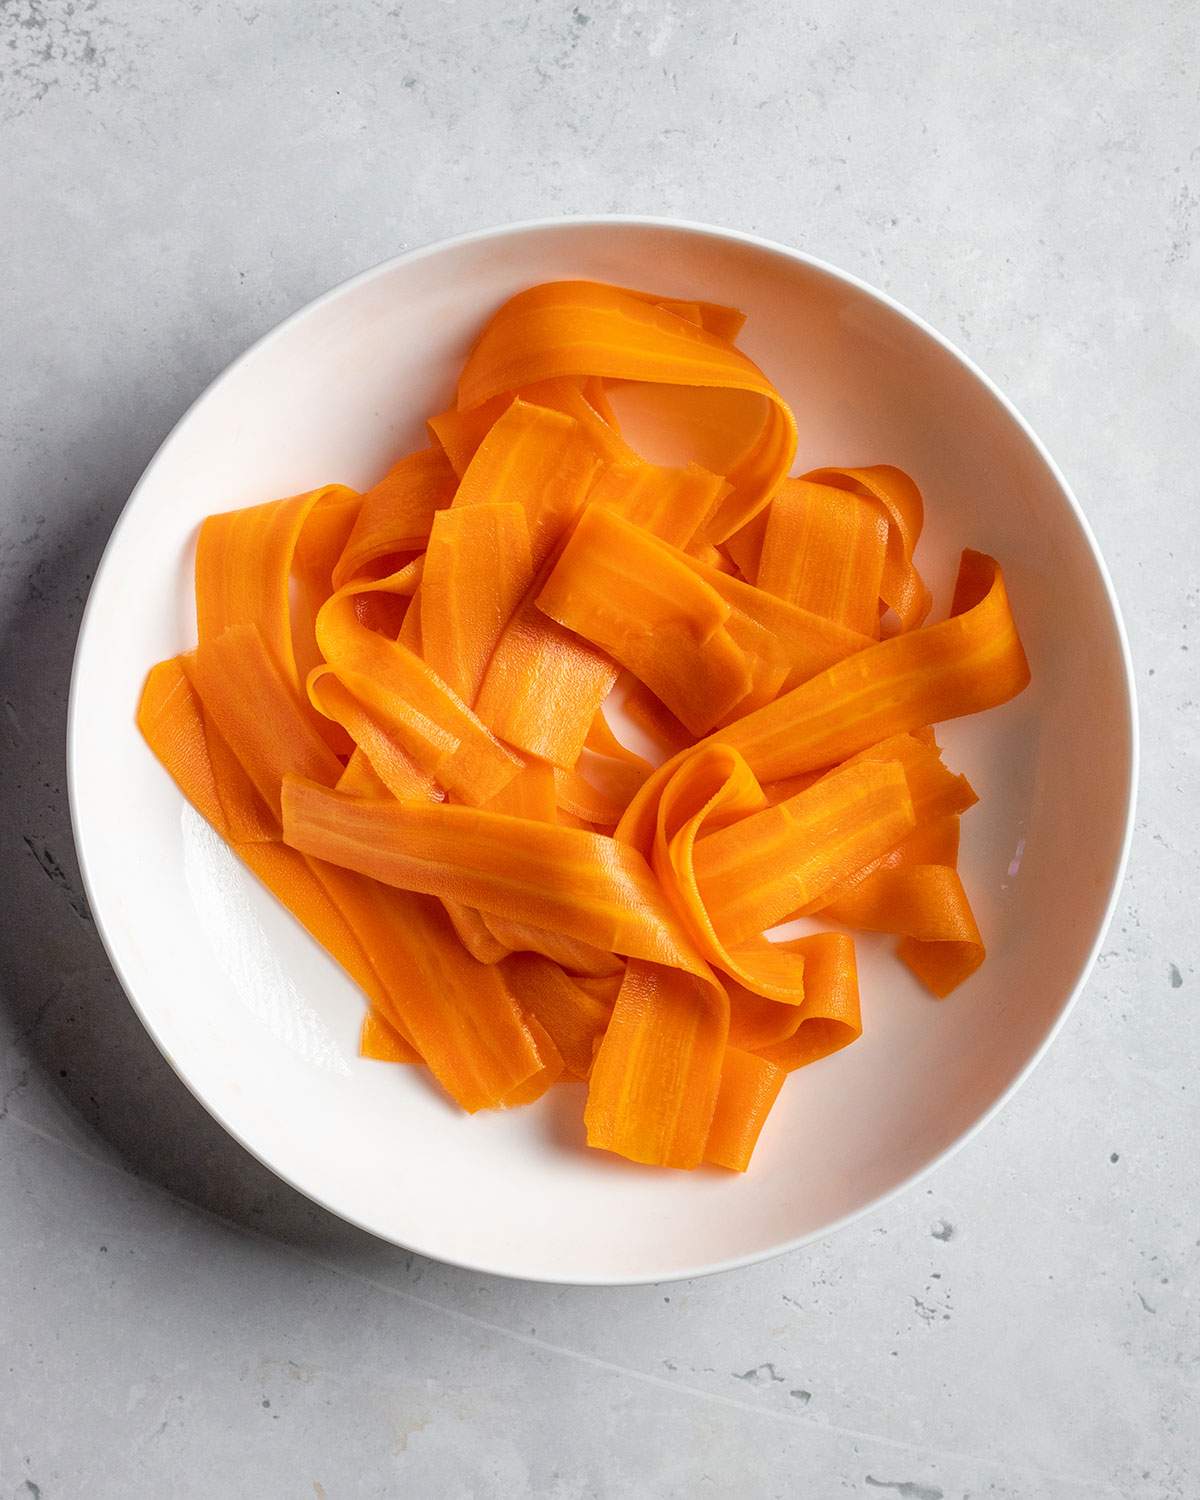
(262, 1026)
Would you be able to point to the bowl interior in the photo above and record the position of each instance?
(263, 1026)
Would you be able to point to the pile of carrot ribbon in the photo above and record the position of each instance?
(395, 716)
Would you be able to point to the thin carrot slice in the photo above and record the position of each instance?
(628, 594)
(756, 1021)
(899, 500)
(575, 1018)
(539, 459)
(551, 1070)
(584, 328)
(244, 568)
(656, 720)
(474, 933)
(824, 550)
(713, 317)
(916, 893)
(831, 1015)
(532, 793)
(654, 1083)
(397, 513)
(459, 433)
(544, 686)
(714, 789)
(259, 718)
(460, 1014)
(378, 1039)
(938, 795)
(669, 503)
(749, 1088)
(581, 884)
(478, 568)
(405, 697)
(759, 871)
(972, 661)
(809, 642)
(172, 721)
(969, 662)
(574, 955)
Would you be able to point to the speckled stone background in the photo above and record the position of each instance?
(174, 179)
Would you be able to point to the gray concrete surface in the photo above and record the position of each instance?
(173, 180)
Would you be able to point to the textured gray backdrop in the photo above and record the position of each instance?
(174, 179)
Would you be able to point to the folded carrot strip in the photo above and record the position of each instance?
(578, 400)
(937, 793)
(474, 933)
(749, 1088)
(574, 955)
(899, 501)
(539, 459)
(458, 433)
(714, 789)
(671, 504)
(583, 328)
(943, 964)
(379, 1040)
(831, 1016)
(824, 551)
(405, 697)
(243, 567)
(574, 1018)
(627, 593)
(172, 723)
(581, 884)
(376, 745)
(478, 568)
(397, 513)
(657, 1073)
(602, 742)
(916, 893)
(767, 866)
(542, 685)
(756, 1021)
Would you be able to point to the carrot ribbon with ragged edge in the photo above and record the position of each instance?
(395, 717)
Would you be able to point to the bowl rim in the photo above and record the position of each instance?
(573, 222)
